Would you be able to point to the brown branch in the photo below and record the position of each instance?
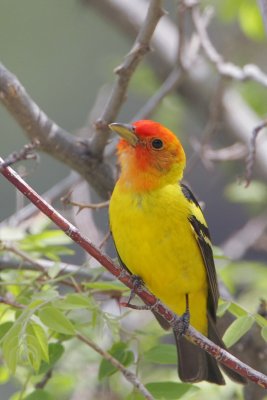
(124, 73)
(149, 299)
(26, 153)
(81, 206)
(129, 375)
(53, 139)
(11, 303)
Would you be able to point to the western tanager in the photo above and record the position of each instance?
(162, 237)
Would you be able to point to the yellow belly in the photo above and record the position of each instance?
(155, 241)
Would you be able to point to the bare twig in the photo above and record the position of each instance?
(208, 155)
(26, 153)
(41, 384)
(149, 299)
(11, 303)
(250, 161)
(226, 69)
(129, 375)
(125, 72)
(24, 256)
(93, 206)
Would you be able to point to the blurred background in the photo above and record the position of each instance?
(65, 52)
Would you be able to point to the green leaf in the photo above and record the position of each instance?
(73, 301)
(161, 354)
(11, 346)
(39, 394)
(4, 328)
(119, 352)
(48, 237)
(49, 294)
(31, 351)
(237, 310)
(56, 320)
(55, 351)
(170, 390)
(223, 307)
(264, 333)
(237, 329)
(251, 21)
(112, 285)
(37, 331)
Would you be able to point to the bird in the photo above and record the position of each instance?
(161, 237)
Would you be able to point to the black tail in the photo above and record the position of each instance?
(195, 365)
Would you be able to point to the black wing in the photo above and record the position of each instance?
(203, 238)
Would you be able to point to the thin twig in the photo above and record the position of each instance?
(41, 384)
(192, 335)
(129, 375)
(11, 303)
(250, 161)
(124, 73)
(26, 153)
(226, 69)
(66, 200)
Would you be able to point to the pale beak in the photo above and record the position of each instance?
(126, 131)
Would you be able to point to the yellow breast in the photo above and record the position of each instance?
(155, 241)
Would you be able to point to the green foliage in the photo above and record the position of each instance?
(121, 353)
(246, 13)
(255, 95)
(170, 390)
(39, 394)
(161, 354)
(237, 329)
(39, 339)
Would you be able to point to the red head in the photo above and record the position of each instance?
(150, 155)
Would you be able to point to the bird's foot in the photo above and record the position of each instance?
(137, 284)
(182, 324)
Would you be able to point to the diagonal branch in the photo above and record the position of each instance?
(149, 299)
(129, 375)
(124, 73)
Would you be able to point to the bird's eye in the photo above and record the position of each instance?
(157, 144)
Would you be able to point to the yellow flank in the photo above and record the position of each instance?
(155, 241)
